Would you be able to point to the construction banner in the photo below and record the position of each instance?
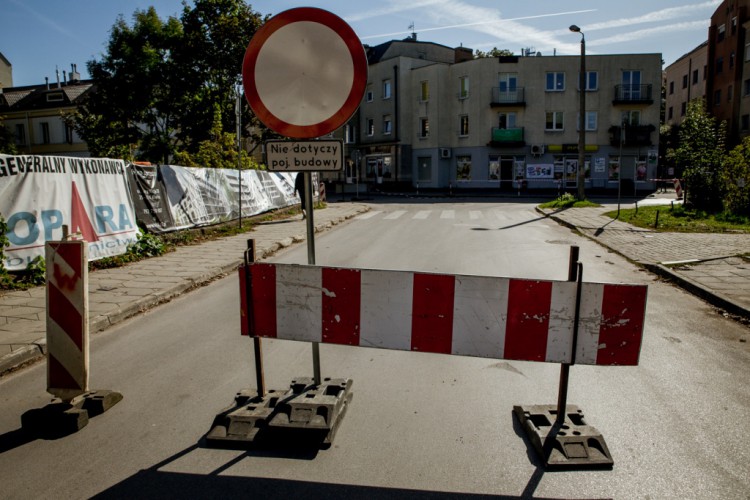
(40, 194)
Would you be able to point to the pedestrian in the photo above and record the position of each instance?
(299, 187)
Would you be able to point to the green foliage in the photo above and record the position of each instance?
(701, 152)
(7, 140)
(5, 278)
(159, 82)
(220, 151)
(146, 246)
(735, 179)
(495, 52)
(568, 200)
(683, 219)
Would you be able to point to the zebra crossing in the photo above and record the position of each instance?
(493, 214)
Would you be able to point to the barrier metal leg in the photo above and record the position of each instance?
(307, 414)
(260, 383)
(559, 432)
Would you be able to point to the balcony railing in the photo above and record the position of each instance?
(633, 94)
(504, 97)
(507, 137)
(635, 135)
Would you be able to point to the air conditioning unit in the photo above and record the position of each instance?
(445, 153)
(537, 149)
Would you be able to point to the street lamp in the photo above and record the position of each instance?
(582, 115)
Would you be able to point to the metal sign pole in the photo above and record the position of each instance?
(311, 260)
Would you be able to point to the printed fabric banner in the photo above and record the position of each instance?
(149, 196)
(40, 194)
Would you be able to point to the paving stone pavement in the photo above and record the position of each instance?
(706, 264)
(117, 294)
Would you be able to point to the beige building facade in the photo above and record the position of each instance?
(507, 123)
(685, 80)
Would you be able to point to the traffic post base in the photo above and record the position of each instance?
(572, 444)
(305, 414)
(61, 418)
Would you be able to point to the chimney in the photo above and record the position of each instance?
(46, 81)
(75, 76)
(65, 77)
(57, 74)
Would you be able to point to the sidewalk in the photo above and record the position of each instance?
(117, 294)
(706, 265)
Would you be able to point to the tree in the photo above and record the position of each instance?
(7, 141)
(735, 177)
(700, 153)
(159, 82)
(495, 52)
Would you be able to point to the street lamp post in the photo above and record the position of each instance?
(582, 116)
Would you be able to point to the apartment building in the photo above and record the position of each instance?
(434, 117)
(6, 72)
(34, 115)
(685, 80)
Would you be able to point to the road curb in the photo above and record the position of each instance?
(699, 290)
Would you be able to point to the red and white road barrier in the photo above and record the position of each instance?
(67, 319)
(499, 318)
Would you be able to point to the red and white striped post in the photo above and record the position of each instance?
(67, 319)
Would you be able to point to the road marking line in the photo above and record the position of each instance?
(395, 215)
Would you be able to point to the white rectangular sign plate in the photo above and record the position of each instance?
(297, 156)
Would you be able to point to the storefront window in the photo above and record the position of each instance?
(463, 168)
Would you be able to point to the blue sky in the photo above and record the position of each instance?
(38, 35)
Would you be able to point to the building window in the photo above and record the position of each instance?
(463, 87)
(350, 136)
(734, 25)
(424, 128)
(719, 65)
(424, 91)
(68, 133)
(386, 89)
(44, 127)
(731, 59)
(424, 169)
(463, 168)
(717, 97)
(721, 32)
(746, 88)
(671, 87)
(730, 91)
(670, 113)
(747, 52)
(631, 118)
(387, 125)
(370, 127)
(592, 81)
(555, 82)
(745, 120)
(55, 97)
(554, 121)
(695, 76)
(592, 118)
(20, 135)
(506, 120)
(684, 81)
(683, 109)
(463, 125)
(369, 95)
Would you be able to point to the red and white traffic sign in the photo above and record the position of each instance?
(304, 73)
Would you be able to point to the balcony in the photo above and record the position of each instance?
(507, 98)
(633, 94)
(635, 135)
(507, 138)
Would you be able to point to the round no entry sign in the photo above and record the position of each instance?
(304, 73)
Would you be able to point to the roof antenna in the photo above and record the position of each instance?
(413, 34)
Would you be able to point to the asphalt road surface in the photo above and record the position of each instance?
(420, 425)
